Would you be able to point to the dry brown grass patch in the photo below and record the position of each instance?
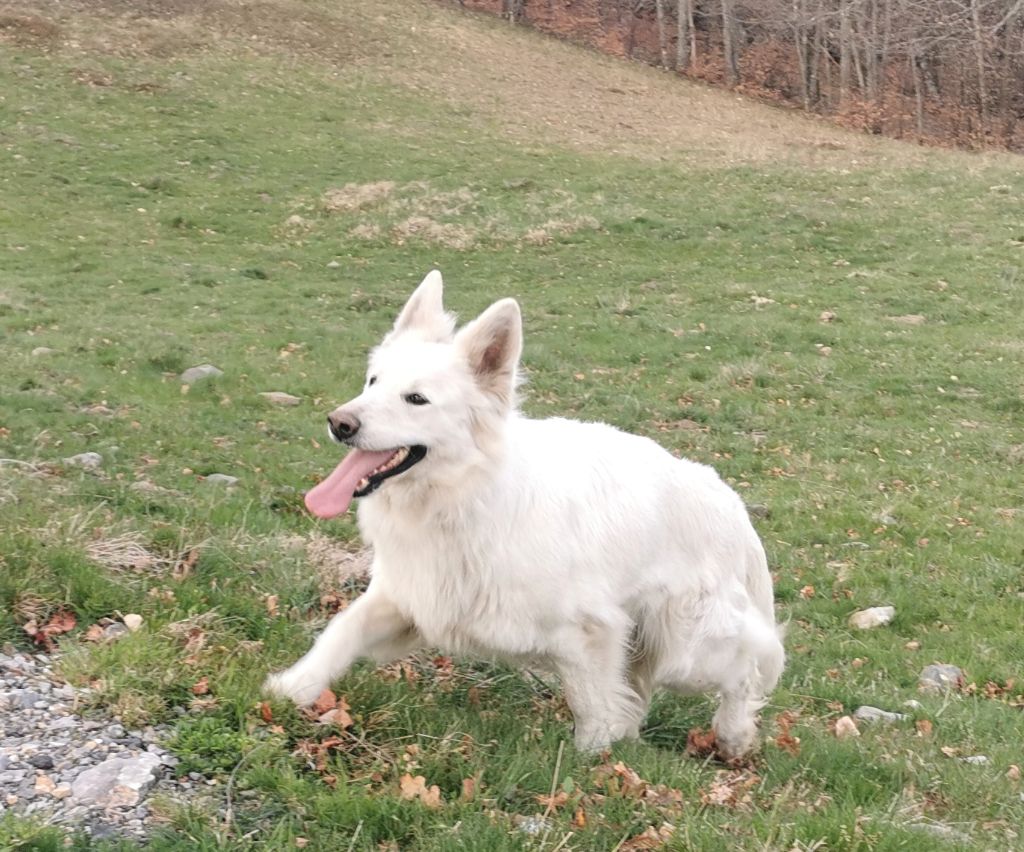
(425, 229)
(357, 196)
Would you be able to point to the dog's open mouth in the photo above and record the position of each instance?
(360, 473)
(401, 461)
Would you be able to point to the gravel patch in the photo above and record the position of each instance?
(65, 769)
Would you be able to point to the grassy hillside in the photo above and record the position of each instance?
(833, 321)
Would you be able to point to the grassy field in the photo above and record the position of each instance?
(832, 321)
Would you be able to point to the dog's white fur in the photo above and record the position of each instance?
(593, 550)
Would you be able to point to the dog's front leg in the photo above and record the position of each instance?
(604, 705)
(371, 627)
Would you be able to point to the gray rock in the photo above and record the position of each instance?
(41, 761)
(118, 781)
(867, 713)
(221, 479)
(940, 677)
(87, 460)
(115, 631)
(976, 759)
(197, 374)
(27, 699)
(280, 398)
(874, 616)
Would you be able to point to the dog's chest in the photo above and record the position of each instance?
(457, 601)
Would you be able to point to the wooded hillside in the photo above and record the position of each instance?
(941, 71)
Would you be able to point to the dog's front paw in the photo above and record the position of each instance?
(297, 684)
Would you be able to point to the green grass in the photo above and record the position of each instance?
(146, 228)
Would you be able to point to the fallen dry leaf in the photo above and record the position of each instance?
(552, 802)
(924, 727)
(730, 789)
(412, 788)
(701, 743)
(337, 715)
(325, 701)
(201, 686)
(785, 740)
(1013, 773)
(60, 622)
(266, 714)
(94, 633)
(649, 838)
(185, 564)
(271, 604)
(469, 789)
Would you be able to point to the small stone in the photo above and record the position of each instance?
(913, 645)
(758, 510)
(940, 677)
(44, 784)
(846, 728)
(28, 699)
(117, 782)
(333, 264)
(133, 621)
(280, 398)
(41, 761)
(867, 713)
(40, 351)
(532, 825)
(874, 616)
(61, 791)
(976, 759)
(113, 632)
(912, 704)
(203, 371)
(221, 479)
(826, 316)
(87, 460)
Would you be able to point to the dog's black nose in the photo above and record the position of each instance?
(342, 424)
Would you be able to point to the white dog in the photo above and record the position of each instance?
(592, 550)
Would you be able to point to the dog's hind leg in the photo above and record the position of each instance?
(371, 627)
(593, 666)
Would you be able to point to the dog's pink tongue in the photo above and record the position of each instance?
(332, 496)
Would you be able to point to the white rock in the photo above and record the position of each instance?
(89, 460)
(976, 759)
(203, 371)
(867, 713)
(118, 781)
(221, 479)
(133, 621)
(280, 398)
(940, 677)
(874, 616)
(846, 728)
(42, 350)
(333, 264)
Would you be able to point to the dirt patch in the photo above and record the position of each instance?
(559, 228)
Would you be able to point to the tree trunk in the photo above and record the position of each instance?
(979, 59)
(845, 48)
(729, 46)
(684, 16)
(659, 11)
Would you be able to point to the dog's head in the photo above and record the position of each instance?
(434, 402)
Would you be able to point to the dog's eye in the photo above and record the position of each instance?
(371, 381)
(416, 399)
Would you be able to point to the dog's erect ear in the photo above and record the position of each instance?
(492, 344)
(424, 313)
